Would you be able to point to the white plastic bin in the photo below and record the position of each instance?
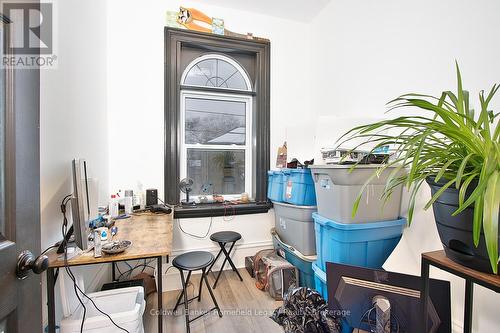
(295, 226)
(125, 305)
(337, 189)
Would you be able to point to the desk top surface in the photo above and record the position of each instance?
(150, 234)
(440, 258)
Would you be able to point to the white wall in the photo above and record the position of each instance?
(368, 52)
(73, 114)
(135, 104)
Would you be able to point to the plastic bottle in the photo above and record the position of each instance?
(128, 205)
(113, 206)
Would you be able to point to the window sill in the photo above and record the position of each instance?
(219, 209)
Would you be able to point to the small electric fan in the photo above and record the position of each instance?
(186, 186)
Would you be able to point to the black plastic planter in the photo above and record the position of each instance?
(456, 231)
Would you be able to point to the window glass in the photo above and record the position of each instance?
(217, 73)
(215, 122)
(223, 169)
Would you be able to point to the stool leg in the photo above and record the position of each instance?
(221, 269)
(216, 258)
(186, 307)
(212, 295)
(184, 285)
(227, 254)
(201, 284)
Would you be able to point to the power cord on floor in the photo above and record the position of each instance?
(77, 289)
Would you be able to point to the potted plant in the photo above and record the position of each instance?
(457, 153)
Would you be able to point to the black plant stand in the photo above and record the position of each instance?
(438, 259)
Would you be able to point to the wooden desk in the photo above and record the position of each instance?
(440, 260)
(151, 237)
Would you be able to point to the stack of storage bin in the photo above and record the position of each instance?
(365, 240)
(293, 195)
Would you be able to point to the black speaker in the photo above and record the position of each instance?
(151, 197)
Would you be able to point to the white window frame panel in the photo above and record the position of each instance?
(248, 136)
(218, 57)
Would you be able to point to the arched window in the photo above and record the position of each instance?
(216, 135)
(216, 71)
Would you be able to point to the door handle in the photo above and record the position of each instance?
(26, 262)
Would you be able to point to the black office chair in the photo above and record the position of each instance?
(194, 261)
(223, 238)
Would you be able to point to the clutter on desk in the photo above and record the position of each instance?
(305, 310)
(116, 247)
(97, 244)
(113, 206)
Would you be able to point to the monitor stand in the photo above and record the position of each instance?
(65, 241)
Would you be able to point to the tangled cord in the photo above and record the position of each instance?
(76, 288)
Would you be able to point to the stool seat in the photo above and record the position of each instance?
(225, 237)
(193, 261)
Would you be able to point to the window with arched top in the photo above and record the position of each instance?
(216, 71)
(216, 136)
(217, 121)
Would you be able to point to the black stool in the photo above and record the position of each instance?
(194, 261)
(224, 237)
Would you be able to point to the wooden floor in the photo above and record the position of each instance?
(244, 307)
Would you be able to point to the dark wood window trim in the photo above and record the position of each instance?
(175, 39)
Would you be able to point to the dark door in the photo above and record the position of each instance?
(20, 300)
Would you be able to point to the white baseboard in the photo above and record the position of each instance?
(171, 280)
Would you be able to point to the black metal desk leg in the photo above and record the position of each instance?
(160, 294)
(50, 300)
(469, 294)
(424, 273)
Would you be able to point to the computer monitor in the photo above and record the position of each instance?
(80, 203)
(80, 206)
(352, 291)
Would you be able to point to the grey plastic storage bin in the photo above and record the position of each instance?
(295, 226)
(337, 189)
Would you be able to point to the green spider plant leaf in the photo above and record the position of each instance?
(490, 217)
(461, 169)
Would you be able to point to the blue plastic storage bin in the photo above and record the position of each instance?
(320, 281)
(275, 185)
(321, 287)
(362, 244)
(298, 187)
(302, 262)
